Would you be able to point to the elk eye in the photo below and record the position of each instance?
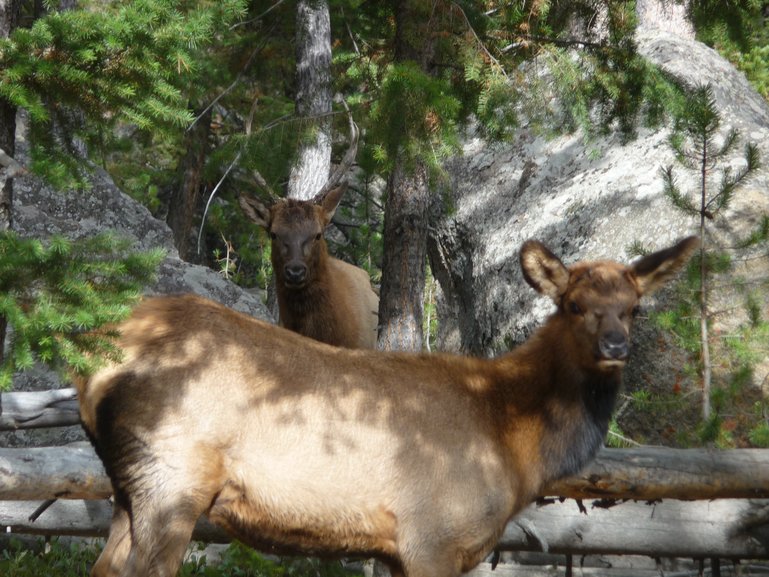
(317, 236)
(574, 308)
(636, 310)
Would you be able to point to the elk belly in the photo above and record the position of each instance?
(304, 522)
(314, 485)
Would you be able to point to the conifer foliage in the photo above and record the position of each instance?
(56, 295)
(80, 72)
(702, 147)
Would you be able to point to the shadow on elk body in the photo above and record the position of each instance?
(319, 296)
(294, 446)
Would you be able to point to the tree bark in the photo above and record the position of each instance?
(70, 472)
(9, 16)
(311, 169)
(78, 518)
(403, 262)
(405, 227)
(187, 199)
(734, 528)
(39, 409)
(661, 473)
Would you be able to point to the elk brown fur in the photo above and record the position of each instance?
(294, 446)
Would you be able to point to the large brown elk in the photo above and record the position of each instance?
(319, 296)
(294, 446)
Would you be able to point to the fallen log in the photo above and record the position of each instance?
(70, 472)
(644, 473)
(662, 473)
(725, 528)
(38, 409)
(75, 472)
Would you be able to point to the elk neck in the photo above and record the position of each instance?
(564, 407)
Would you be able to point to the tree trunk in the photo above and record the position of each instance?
(405, 228)
(9, 16)
(187, 199)
(313, 99)
(403, 262)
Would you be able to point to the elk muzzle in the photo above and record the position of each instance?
(613, 347)
(295, 274)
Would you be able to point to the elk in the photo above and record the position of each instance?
(294, 446)
(319, 296)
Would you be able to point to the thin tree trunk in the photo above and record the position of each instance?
(9, 16)
(187, 199)
(313, 99)
(706, 369)
(704, 338)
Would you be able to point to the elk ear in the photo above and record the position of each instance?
(654, 270)
(330, 201)
(543, 270)
(255, 210)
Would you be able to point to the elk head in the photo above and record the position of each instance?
(296, 232)
(597, 301)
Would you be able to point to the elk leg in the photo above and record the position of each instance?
(161, 532)
(432, 560)
(115, 552)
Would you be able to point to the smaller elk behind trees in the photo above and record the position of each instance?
(319, 296)
(294, 446)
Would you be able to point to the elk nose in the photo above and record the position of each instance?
(295, 273)
(613, 345)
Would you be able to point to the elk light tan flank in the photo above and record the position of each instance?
(319, 296)
(294, 446)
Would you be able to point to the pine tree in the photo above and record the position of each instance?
(702, 148)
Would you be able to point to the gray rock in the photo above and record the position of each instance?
(586, 200)
(41, 211)
(593, 200)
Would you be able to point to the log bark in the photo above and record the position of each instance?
(644, 474)
(726, 528)
(70, 472)
(39, 409)
(663, 473)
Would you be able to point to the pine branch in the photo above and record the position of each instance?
(671, 190)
